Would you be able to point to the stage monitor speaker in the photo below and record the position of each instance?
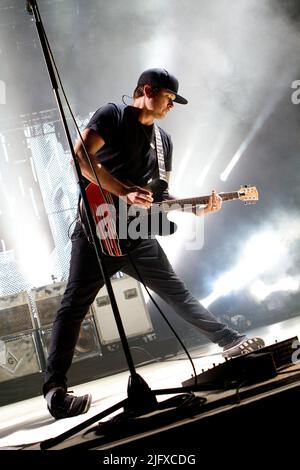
(87, 345)
(132, 307)
(47, 301)
(18, 356)
(15, 314)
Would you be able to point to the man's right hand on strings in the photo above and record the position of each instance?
(138, 197)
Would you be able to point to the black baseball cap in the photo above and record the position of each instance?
(160, 78)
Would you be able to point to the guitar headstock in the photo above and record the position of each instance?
(248, 194)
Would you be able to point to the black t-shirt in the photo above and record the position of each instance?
(127, 152)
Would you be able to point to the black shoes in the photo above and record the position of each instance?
(242, 345)
(63, 405)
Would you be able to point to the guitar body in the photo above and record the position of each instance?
(120, 227)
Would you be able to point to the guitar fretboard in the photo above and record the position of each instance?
(195, 201)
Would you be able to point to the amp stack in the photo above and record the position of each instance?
(19, 352)
(26, 323)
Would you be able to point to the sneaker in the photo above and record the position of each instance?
(63, 405)
(242, 345)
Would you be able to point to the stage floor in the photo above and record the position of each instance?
(28, 422)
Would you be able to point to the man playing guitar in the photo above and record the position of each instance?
(124, 145)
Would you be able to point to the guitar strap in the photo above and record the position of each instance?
(160, 155)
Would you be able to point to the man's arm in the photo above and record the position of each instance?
(93, 143)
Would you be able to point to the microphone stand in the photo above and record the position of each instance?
(140, 398)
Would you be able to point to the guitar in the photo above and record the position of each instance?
(120, 227)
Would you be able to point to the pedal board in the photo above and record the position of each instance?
(253, 367)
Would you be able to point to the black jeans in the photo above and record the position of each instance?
(85, 280)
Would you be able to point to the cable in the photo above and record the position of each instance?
(237, 391)
(130, 423)
(71, 225)
(164, 316)
(123, 99)
(138, 348)
(201, 356)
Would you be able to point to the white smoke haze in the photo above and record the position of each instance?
(266, 263)
(236, 61)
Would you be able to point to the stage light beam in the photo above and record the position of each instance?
(262, 252)
(261, 291)
(265, 113)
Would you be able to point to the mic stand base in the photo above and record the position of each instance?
(140, 396)
(146, 415)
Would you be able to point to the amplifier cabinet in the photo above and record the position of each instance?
(18, 356)
(132, 307)
(15, 314)
(87, 345)
(47, 301)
